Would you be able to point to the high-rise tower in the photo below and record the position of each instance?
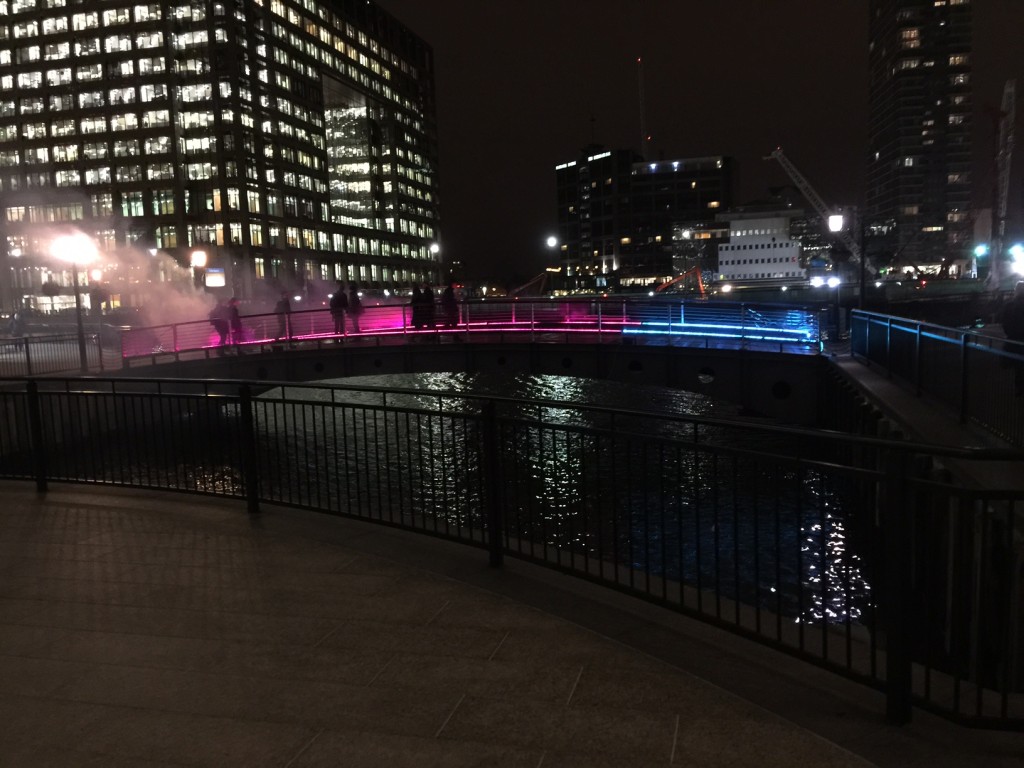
(292, 141)
(919, 164)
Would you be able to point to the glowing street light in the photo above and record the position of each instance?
(198, 262)
(552, 241)
(836, 222)
(1017, 254)
(78, 250)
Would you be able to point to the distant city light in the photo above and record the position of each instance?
(726, 288)
(817, 281)
(981, 250)
(833, 282)
(1017, 253)
(552, 241)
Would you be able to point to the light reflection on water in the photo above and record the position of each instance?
(794, 560)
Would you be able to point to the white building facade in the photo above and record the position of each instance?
(760, 248)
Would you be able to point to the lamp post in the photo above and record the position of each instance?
(198, 263)
(435, 250)
(78, 250)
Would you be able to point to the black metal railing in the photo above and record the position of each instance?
(42, 355)
(978, 376)
(847, 552)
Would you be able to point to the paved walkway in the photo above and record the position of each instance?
(153, 629)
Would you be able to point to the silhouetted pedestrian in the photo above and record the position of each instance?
(283, 308)
(235, 321)
(219, 321)
(450, 306)
(339, 303)
(417, 307)
(428, 306)
(355, 306)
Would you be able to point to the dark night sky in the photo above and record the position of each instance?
(518, 83)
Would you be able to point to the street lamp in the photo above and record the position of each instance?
(837, 223)
(1017, 256)
(198, 263)
(78, 250)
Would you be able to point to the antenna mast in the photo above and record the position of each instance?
(643, 110)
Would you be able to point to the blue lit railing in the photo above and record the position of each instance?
(979, 376)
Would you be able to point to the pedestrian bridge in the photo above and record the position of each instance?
(767, 358)
(762, 357)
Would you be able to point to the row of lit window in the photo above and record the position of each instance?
(146, 13)
(758, 246)
(162, 202)
(345, 272)
(760, 275)
(85, 47)
(768, 260)
(94, 46)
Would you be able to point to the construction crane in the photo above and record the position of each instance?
(537, 285)
(816, 202)
(1004, 153)
(678, 278)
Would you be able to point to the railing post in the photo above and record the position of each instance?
(964, 378)
(35, 425)
(599, 339)
(28, 358)
(250, 468)
(896, 605)
(888, 345)
(174, 338)
(492, 484)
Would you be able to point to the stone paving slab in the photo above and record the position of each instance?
(152, 629)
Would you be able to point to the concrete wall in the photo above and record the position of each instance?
(775, 385)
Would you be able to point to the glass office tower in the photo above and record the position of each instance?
(292, 142)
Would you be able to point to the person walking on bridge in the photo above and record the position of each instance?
(339, 303)
(355, 306)
(283, 308)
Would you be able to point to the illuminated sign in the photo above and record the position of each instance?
(215, 277)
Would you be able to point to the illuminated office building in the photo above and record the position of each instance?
(919, 163)
(293, 141)
(619, 216)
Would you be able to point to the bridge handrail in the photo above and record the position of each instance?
(797, 324)
(978, 376)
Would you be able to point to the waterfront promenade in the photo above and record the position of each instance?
(154, 629)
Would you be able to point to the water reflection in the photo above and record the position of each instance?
(719, 514)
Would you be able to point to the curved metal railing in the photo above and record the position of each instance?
(838, 549)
